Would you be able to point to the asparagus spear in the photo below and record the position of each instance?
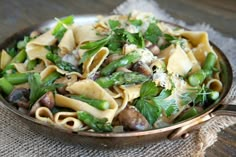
(6, 86)
(119, 78)
(123, 61)
(98, 125)
(51, 78)
(198, 77)
(190, 113)
(99, 104)
(61, 64)
(17, 78)
(213, 95)
(20, 57)
(31, 64)
(22, 43)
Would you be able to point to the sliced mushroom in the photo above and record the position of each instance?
(65, 80)
(131, 119)
(153, 48)
(142, 68)
(46, 100)
(20, 96)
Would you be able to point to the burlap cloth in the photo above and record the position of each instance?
(17, 139)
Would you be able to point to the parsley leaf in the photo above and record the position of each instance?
(60, 28)
(173, 40)
(153, 33)
(169, 106)
(93, 47)
(115, 44)
(114, 24)
(135, 38)
(136, 22)
(38, 88)
(150, 111)
(201, 96)
(94, 44)
(145, 105)
(149, 89)
(11, 51)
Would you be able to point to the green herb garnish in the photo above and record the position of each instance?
(61, 26)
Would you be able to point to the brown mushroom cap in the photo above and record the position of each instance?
(46, 100)
(142, 68)
(20, 96)
(131, 119)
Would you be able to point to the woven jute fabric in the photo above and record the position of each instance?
(18, 140)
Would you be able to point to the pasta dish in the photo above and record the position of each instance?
(121, 73)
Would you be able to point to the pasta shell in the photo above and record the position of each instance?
(200, 43)
(175, 66)
(51, 68)
(93, 63)
(5, 59)
(67, 43)
(68, 120)
(214, 84)
(44, 114)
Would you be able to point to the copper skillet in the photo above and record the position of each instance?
(127, 139)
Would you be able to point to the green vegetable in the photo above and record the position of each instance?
(123, 61)
(198, 77)
(145, 105)
(169, 106)
(153, 33)
(38, 88)
(149, 110)
(213, 95)
(53, 48)
(51, 78)
(17, 78)
(188, 114)
(61, 64)
(32, 64)
(94, 44)
(10, 68)
(115, 44)
(22, 44)
(136, 22)
(99, 104)
(98, 125)
(135, 38)
(173, 40)
(114, 24)
(11, 51)
(60, 28)
(57, 109)
(149, 89)
(114, 41)
(119, 78)
(93, 47)
(20, 57)
(210, 62)
(6, 86)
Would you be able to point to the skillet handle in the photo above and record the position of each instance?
(225, 110)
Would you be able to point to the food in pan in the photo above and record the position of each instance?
(121, 73)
